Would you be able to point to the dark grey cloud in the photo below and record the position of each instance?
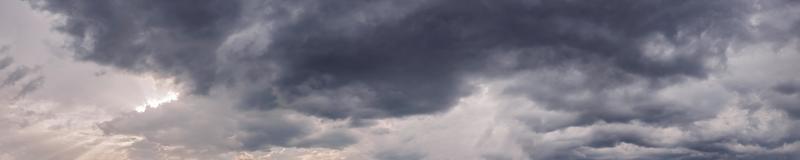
(19, 75)
(787, 88)
(175, 38)
(604, 61)
(30, 87)
(399, 155)
(342, 60)
(417, 63)
(16, 75)
(496, 157)
(786, 95)
(5, 62)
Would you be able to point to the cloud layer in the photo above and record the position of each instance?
(566, 79)
(355, 59)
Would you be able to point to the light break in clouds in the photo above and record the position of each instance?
(399, 80)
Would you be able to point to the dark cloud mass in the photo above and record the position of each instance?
(417, 63)
(341, 59)
(372, 59)
(170, 37)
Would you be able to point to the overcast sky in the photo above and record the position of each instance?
(399, 80)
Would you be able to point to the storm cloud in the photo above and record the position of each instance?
(349, 59)
(607, 75)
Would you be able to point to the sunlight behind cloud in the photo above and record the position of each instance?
(154, 103)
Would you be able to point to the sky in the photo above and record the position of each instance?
(399, 80)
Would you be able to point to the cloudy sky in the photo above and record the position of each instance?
(399, 79)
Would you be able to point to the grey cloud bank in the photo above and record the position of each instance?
(347, 59)
(594, 79)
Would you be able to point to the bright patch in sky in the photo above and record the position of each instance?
(155, 102)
